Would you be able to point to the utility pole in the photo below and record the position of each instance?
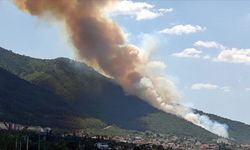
(27, 143)
(16, 143)
(44, 142)
(39, 141)
(20, 144)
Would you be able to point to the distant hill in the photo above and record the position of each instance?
(83, 93)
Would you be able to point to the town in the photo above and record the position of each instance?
(17, 136)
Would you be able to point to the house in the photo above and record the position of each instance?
(100, 145)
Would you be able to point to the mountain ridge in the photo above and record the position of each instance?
(96, 96)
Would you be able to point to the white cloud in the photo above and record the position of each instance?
(165, 10)
(247, 89)
(226, 88)
(146, 14)
(189, 52)
(209, 44)
(206, 57)
(234, 56)
(182, 29)
(207, 86)
(138, 10)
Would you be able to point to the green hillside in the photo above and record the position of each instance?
(23, 102)
(86, 93)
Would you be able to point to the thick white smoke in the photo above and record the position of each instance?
(154, 91)
(160, 92)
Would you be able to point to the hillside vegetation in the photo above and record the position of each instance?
(78, 92)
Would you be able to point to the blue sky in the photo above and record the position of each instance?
(205, 45)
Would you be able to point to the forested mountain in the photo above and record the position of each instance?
(67, 94)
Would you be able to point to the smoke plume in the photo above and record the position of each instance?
(101, 43)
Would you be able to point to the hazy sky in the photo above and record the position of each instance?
(205, 44)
